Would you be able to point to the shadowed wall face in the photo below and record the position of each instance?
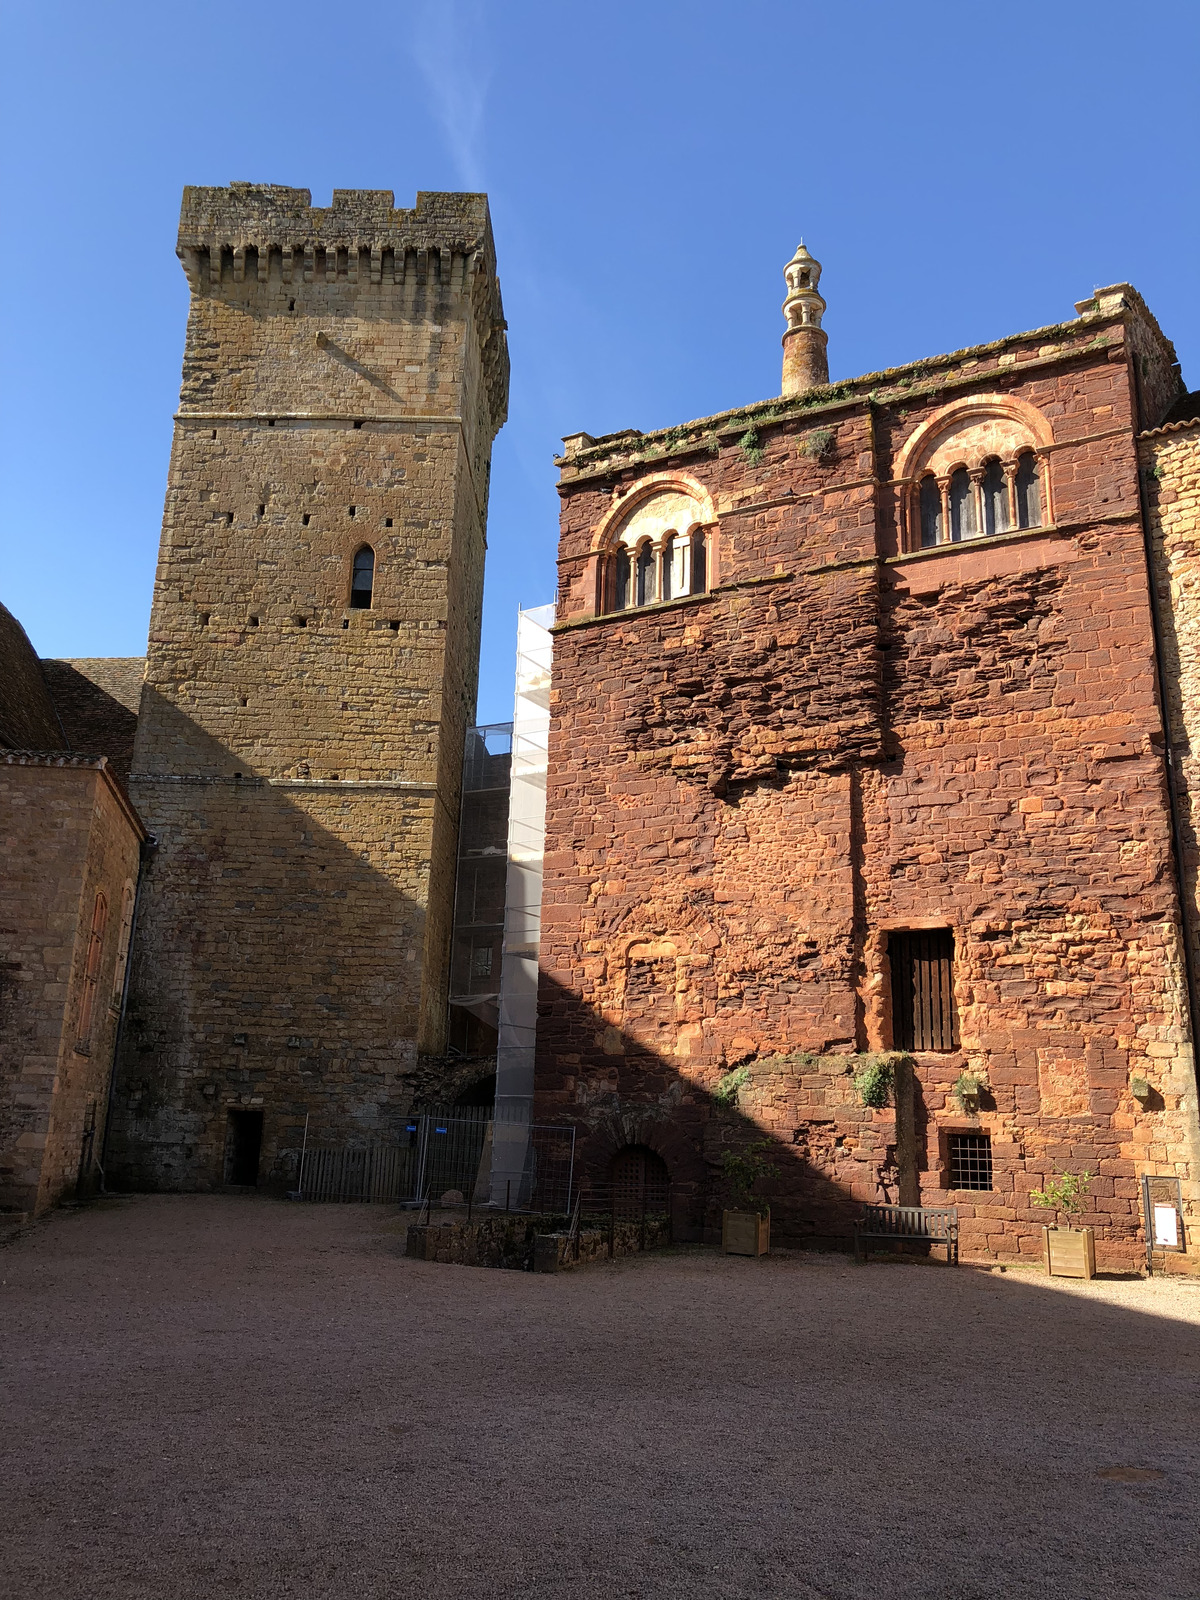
(760, 792)
(66, 903)
(299, 746)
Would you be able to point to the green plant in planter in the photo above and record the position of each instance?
(1067, 1194)
(743, 1168)
(873, 1083)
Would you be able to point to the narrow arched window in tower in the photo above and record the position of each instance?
(995, 498)
(91, 974)
(620, 593)
(963, 523)
(1029, 491)
(362, 581)
(699, 562)
(646, 588)
(931, 512)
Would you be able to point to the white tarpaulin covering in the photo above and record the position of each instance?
(522, 904)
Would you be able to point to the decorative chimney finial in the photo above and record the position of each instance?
(805, 365)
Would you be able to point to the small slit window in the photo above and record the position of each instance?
(362, 581)
(922, 972)
(970, 1161)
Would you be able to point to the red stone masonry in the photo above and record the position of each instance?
(751, 789)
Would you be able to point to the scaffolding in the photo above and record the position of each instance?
(476, 946)
(522, 906)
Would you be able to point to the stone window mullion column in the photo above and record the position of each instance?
(943, 483)
(976, 476)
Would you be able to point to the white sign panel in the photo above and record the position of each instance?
(1166, 1227)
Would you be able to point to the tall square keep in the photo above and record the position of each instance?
(312, 667)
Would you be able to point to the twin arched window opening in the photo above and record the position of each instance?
(649, 573)
(997, 497)
(362, 579)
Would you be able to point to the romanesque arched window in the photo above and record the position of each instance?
(977, 468)
(656, 551)
(362, 579)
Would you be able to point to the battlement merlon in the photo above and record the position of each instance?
(267, 216)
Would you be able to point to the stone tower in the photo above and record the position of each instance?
(805, 364)
(311, 669)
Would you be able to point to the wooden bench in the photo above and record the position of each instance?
(907, 1224)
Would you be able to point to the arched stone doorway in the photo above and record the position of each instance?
(640, 1181)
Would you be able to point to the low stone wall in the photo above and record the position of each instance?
(534, 1243)
(555, 1252)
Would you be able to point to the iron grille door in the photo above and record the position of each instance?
(923, 1014)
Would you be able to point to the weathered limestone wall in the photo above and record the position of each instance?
(299, 759)
(750, 789)
(68, 834)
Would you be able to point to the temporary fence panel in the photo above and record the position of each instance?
(369, 1173)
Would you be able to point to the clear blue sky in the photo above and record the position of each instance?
(962, 170)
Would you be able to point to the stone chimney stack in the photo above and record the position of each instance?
(804, 361)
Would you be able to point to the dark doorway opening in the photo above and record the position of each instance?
(243, 1142)
(640, 1181)
(482, 1093)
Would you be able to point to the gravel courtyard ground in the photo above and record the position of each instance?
(226, 1396)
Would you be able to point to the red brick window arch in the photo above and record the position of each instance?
(975, 469)
(655, 549)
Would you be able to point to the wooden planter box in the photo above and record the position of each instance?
(1069, 1252)
(745, 1233)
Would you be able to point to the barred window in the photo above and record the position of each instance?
(923, 1012)
(970, 1161)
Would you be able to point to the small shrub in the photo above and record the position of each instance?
(967, 1086)
(726, 1092)
(819, 445)
(873, 1083)
(1066, 1194)
(749, 446)
(743, 1168)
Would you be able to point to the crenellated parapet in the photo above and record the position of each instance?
(271, 236)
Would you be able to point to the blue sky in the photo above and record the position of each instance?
(962, 170)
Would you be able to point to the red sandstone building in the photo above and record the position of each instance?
(858, 746)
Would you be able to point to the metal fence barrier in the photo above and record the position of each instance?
(443, 1156)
